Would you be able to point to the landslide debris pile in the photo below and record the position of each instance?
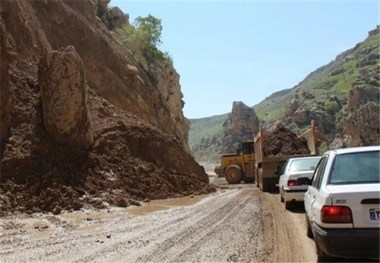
(129, 161)
(65, 144)
(282, 141)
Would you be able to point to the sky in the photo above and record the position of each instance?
(226, 50)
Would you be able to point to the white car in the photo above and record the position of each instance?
(295, 168)
(342, 204)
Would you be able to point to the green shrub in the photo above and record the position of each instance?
(331, 107)
(340, 121)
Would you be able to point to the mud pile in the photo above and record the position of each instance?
(130, 161)
(282, 141)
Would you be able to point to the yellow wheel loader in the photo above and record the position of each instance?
(239, 166)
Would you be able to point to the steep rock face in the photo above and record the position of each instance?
(101, 54)
(106, 63)
(241, 125)
(21, 46)
(7, 57)
(134, 154)
(299, 112)
(170, 90)
(111, 17)
(64, 98)
(362, 125)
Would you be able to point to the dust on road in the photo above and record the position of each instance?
(235, 224)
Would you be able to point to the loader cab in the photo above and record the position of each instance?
(248, 147)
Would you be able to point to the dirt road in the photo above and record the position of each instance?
(236, 224)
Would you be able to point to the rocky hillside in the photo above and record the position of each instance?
(86, 119)
(342, 97)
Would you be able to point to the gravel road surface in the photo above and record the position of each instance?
(236, 224)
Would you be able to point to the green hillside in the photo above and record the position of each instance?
(205, 127)
(203, 137)
(334, 78)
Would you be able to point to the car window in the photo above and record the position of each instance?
(318, 174)
(283, 167)
(356, 168)
(303, 165)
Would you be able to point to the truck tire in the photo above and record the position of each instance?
(259, 173)
(249, 180)
(265, 185)
(233, 174)
(257, 181)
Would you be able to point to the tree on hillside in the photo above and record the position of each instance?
(147, 36)
(150, 28)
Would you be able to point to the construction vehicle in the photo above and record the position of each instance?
(268, 168)
(239, 166)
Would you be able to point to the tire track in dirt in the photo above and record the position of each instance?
(236, 238)
(197, 224)
(239, 224)
(185, 245)
(245, 247)
(127, 234)
(283, 233)
(61, 239)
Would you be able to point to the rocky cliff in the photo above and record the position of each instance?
(342, 97)
(362, 126)
(240, 125)
(82, 120)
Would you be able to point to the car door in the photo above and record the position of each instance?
(314, 188)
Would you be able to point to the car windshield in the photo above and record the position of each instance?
(356, 168)
(303, 164)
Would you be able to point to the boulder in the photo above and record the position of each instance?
(301, 116)
(64, 98)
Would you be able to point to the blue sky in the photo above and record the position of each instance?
(229, 50)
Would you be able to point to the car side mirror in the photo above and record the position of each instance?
(303, 181)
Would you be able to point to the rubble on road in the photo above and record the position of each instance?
(281, 141)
